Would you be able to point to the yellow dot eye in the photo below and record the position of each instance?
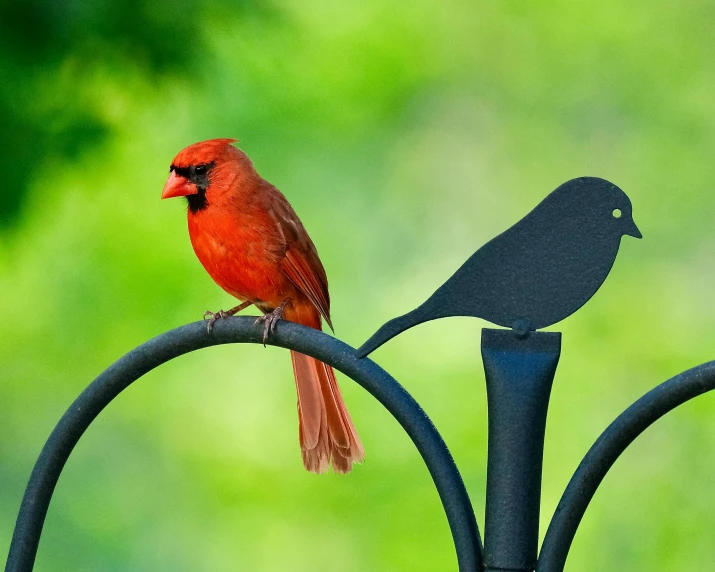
(617, 213)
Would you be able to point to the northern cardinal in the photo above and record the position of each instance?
(251, 242)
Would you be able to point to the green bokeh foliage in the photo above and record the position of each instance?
(405, 136)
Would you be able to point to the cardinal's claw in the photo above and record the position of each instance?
(221, 314)
(271, 319)
(213, 316)
(269, 323)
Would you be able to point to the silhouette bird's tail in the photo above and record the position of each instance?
(393, 328)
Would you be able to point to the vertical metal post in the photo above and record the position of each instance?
(519, 373)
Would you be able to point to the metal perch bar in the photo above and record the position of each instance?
(604, 452)
(512, 364)
(190, 337)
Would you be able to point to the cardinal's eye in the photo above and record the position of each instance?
(200, 170)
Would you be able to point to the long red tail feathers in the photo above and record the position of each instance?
(326, 432)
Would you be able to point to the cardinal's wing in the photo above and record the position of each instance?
(300, 262)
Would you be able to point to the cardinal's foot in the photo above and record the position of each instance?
(213, 316)
(271, 319)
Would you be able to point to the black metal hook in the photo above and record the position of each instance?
(606, 450)
(190, 337)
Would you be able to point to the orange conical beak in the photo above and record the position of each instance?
(178, 186)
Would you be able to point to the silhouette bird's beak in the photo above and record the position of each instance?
(632, 230)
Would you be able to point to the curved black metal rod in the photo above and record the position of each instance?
(190, 337)
(604, 452)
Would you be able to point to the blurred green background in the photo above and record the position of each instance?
(405, 137)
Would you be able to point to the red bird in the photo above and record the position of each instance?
(251, 242)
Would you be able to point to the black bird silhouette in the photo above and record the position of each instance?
(538, 272)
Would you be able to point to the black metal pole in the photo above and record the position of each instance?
(519, 372)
